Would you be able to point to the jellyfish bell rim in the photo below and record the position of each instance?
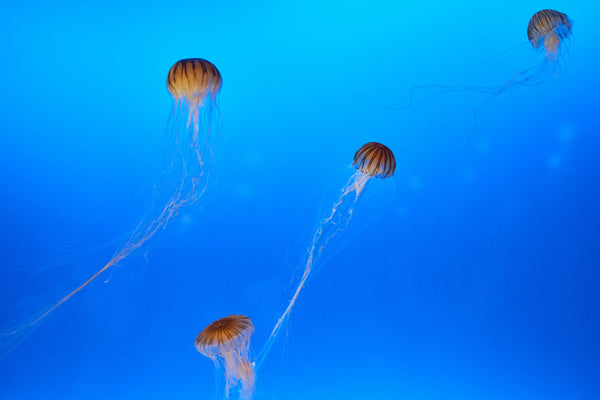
(376, 176)
(383, 171)
(241, 325)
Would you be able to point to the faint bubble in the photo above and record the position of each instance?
(401, 211)
(184, 224)
(554, 161)
(566, 134)
(415, 182)
(253, 159)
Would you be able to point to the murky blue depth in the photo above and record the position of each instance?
(473, 276)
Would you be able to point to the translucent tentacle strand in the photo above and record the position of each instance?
(336, 221)
(185, 172)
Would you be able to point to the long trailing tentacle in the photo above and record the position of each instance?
(336, 221)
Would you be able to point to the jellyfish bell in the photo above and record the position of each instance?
(224, 334)
(548, 29)
(194, 79)
(226, 341)
(376, 160)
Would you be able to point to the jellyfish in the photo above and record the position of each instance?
(527, 64)
(373, 160)
(226, 341)
(194, 85)
(548, 31)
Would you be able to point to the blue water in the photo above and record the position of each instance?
(474, 277)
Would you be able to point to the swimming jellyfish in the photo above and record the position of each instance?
(548, 32)
(373, 160)
(226, 341)
(194, 85)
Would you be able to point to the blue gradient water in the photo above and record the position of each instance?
(478, 278)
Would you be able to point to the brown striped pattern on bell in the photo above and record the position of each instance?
(375, 160)
(547, 23)
(193, 79)
(224, 335)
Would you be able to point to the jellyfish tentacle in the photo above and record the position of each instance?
(194, 85)
(372, 160)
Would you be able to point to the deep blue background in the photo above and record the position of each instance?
(478, 280)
